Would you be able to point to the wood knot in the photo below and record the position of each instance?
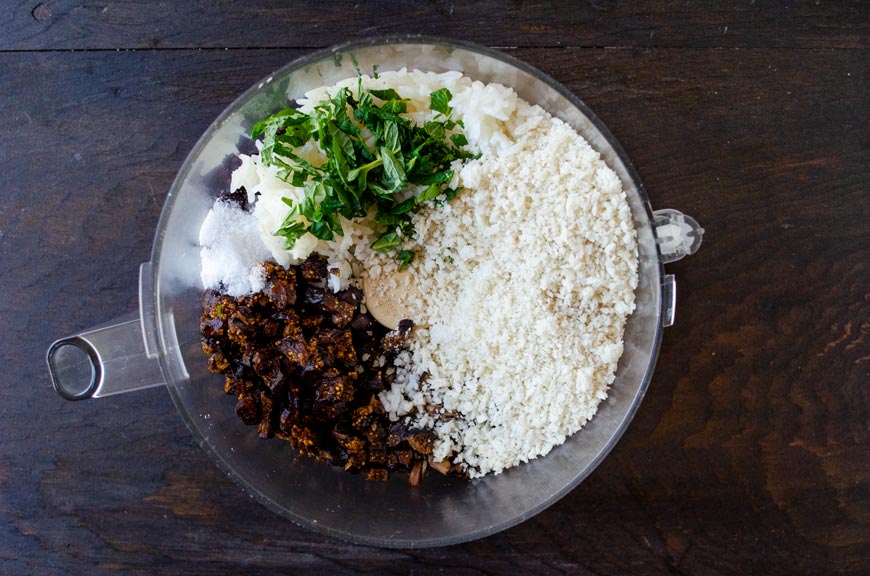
(41, 13)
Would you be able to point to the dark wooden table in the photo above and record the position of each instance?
(751, 452)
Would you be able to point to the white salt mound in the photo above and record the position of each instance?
(232, 250)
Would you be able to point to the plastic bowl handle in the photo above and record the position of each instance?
(107, 359)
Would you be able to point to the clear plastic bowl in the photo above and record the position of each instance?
(124, 355)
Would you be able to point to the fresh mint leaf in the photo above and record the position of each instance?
(441, 177)
(345, 144)
(334, 223)
(385, 95)
(361, 175)
(346, 197)
(450, 193)
(330, 205)
(429, 193)
(291, 231)
(439, 101)
(298, 178)
(321, 230)
(363, 170)
(404, 206)
(405, 257)
(380, 191)
(258, 128)
(387, 243)
(394, 173)
(391, 136)
(339, 158)
(435, 130)
(294, 208)
(282, 118)
(394, 107)
(294, 135)
(390, 220)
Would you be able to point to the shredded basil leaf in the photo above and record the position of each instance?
(356, 177)
(387, 242)
(405, 257)
(439, 101)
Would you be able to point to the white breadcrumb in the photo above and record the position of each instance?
(522, 288)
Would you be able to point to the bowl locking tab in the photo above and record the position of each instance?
(677, 235)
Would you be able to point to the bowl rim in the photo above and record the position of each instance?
(317, 56)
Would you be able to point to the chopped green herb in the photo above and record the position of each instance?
(388, 94)
(291, 231)
(434, 129)
(405, 257)
(394, 174)
(357, 175)
(321, 230)
(439, 101)
(429, 193)
(405, 206)
(387, 242)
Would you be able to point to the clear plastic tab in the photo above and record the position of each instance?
(677, 235)
(669, 300)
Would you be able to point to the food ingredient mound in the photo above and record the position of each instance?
(231, 250)
(525, 282)
(521, 283)
(329, 174)
(306, 366)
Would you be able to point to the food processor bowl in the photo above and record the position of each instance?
(161, 345)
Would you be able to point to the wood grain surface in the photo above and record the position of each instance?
(751, 451)
(143, 24)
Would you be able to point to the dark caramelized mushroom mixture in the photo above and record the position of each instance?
(306, 365)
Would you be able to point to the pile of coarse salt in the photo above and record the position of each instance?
(232, 250)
